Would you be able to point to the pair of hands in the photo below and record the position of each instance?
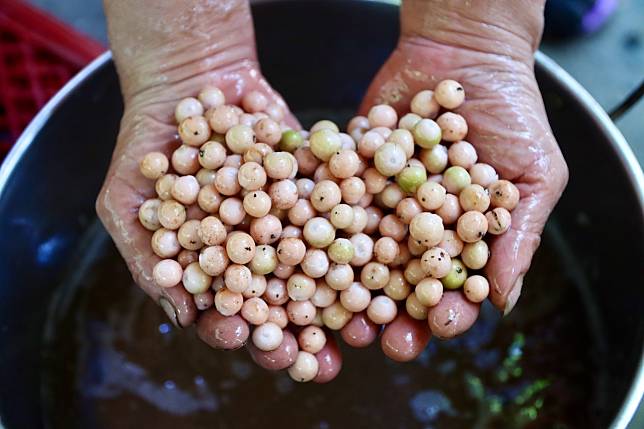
(507, 125)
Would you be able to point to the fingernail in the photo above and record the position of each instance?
(514, 295)
(169, 310)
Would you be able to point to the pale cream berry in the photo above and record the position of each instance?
(251, 176)
(187, 257)
(305, 367)
(304, 187)
(212, 231)
(283, 194)
(326, 195)
(283, 271)
(188, 235)
(195, 280)
(211, 96)
(163, 186)
(164, 243)
(474, 197)
(383, 131)
(277, 315)
(407, 209)
(290, 251)
(268, 131)
(424, 104)
(257, 153)
(389, 159)
(359, 220)
(427, 133)
(382, 115)
(209, 199)
(291, 231)
(167, 273)
(185, 190)
(319, 232)
(255, 311)
(403, 256)
(187, 107)
(355, 298)
(436, 262)
(347, 142)
(374, 181)
(427, 228)
(231, 211)
(341, 251)
(254, 101)
(471, 226)
(391, 195)
(431, 195)
(408, 121)
(278, 165)
(369, 144)
(429, 292)
(434, 159)
(335, 316)
(234, 160)
(392, 226)
(324, 143)
(240, 138)
(312, 339)
(307, 162)
(256, 288)
(206, 177)
(449, 94)
(397, 288)
(374, 217)
(227, 302)
(212, 155)
(300, 313)
(324, 124)
(415, 308)
(385, 249)
(266, 230)
(504, 194)
(451, 242)
(300, 287)
(362, 249)
(171, 214)
(154, 165)
(194, 131)
(223, 118)
(382, 310)
(324, 295)
(358, 122)
(463, 154)
(451, 210)
(352, 189)
(339, 276)
(344, 163)
(237, 278)
(213, 260)
(341, 216)
(275, 112)
(404, 139)
(453, 126)
(416, 248)
(257, 203)
(374, 275)
(475, 255)
(149, 214)
(476, 288)
(315, 263)
(268, 336)
(275, 293)
(414, 272)
(240, 247)
(226, 181)
(499, 221)
(265, 260)
(483, 174)
(185, 160)
(203, 301)
(301, 212)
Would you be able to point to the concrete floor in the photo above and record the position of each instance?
(609, 63)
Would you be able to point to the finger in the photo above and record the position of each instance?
(280, 358)
(452, 316)
(179, 305)
(360, 331)
(221, 332)
(405, 338)
(329, 361)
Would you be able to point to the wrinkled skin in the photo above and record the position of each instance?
(159, 64)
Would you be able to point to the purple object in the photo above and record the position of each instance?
(597, 15)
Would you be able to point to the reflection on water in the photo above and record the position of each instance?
(113, 361)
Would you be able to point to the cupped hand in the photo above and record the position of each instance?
(509, 129)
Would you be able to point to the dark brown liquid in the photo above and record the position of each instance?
(113, 361)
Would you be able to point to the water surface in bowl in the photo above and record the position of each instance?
(112, 360)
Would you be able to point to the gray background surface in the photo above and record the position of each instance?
(609, 63)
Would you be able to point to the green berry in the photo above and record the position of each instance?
(291, 141)
(456, 277)
(411, 178)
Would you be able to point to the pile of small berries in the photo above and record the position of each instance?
(309, 227)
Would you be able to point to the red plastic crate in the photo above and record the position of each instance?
(38, 54)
